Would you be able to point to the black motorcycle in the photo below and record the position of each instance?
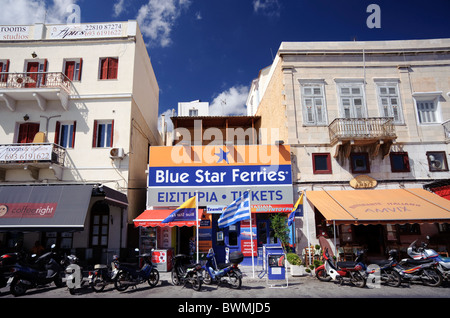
(43, 271)
(387, 270)
(185, 272)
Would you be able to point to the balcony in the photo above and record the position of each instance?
(446, 126)
(38, 86)
(372, 133)
(32, 157)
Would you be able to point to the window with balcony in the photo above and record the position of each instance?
(313, 103)
(35, 73)
(108, 68)
(321, 163)
(399, 162)
(65, 134)
(4, 68)
(389, 101)
(103, 133)
(360, 162)
(351, 98)
(72, 69)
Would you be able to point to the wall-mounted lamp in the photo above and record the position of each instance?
(34, 55)
(26, 117)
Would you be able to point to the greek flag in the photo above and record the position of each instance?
(237, 211)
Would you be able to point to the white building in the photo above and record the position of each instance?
(194, 108)
(78, 106)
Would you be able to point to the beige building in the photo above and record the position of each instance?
(78, 106)
(372, 112)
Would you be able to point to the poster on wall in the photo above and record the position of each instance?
(247, 233)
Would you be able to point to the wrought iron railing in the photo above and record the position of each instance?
(361, 128)
(36, 80)
(446, 126)
(36, 152)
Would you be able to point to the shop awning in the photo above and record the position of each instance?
(153, 218)
(44, 207)
(390, 206)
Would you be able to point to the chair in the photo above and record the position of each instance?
(442, 250)
(348, 253)
(308, 253)
(39, 138)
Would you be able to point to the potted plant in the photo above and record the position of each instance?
(295, 262)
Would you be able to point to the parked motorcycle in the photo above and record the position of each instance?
(424, 270)
(74, 273)
(131, 275)
(46, 269)
(354, 272)
(388, 274)
(226, 273)
(103, 275)
(184, 272)
(425, 253)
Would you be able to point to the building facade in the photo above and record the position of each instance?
(78, 105)
(360, 115)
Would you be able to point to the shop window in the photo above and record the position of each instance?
(108, 68)
(321, 163)
(437, 161)
(444, 228)
(99, 224)
(399, 162)
(233, 235)
(65, 134)
(360, 162)
(72, 69)
(409, 229)
(103, 133)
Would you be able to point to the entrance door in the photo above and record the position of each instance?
(371, 237)
(27, 131)
(32, 70)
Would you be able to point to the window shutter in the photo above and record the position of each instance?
(81, 67)
(44, 76)
(112, 68)
(57, 129)
(94, 137)
(112, 133)
(73, 134)
(104, 68)
(70, 68)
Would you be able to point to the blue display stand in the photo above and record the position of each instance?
(276, 270)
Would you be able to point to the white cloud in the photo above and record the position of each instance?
(35, 11)
(167, 114)
(157, 18)
(118, 8)
(267, 7)
(230, 102)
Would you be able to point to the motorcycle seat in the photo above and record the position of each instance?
(418, 261)
(346, 264)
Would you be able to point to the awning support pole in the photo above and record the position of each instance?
(196, 222)
(334, 232)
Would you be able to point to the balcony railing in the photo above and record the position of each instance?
(49, 153)
(361, 129)
(36, 80)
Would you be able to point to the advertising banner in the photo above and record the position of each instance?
(221, 174)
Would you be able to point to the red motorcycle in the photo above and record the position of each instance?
(354, 272)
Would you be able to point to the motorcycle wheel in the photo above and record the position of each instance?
(235, 280)
(98, 284)
(120, 282)
(432, 278)
(58, 281)
(207, 278)
(358, 280)
(391, 278)
(196, 282)
(175, 279)
(17, 288)
(154, 277)
(322, 275)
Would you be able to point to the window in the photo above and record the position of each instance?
(4, 68)
(428, 107)
(351, 97)
(65, 134)
(103, 133)
(313, 101)
(399, 162)
(35, 70)
(321, 163)
(437, 161)
(72, 69)
(389, 101)
(108, 68)
(193, 112)
(360, 162)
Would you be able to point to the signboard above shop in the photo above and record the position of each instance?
(221, 174)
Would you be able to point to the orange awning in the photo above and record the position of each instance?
(390, 206)
(153, 218)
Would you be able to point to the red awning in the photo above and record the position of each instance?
(153, 218)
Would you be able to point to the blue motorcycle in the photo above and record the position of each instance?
(225, 273)
(131, 275)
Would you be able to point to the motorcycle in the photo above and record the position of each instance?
(354, 272)
(43, 271)
(103, 275)
(425, 253)
(388, 274)
(131, 275)
(74, 273)
(424, 270)
(184, 272)
(228, 273)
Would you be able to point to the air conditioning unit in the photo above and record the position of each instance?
(116, 153)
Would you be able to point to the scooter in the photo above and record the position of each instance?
(424, 270)
(425, 253)
(103, 275)
(354, 272)
(388, 274)
(131, 275)
(226, 273)
(45, 270)
(74, 274)
(184, 272)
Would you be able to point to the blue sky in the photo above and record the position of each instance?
(211, 50)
